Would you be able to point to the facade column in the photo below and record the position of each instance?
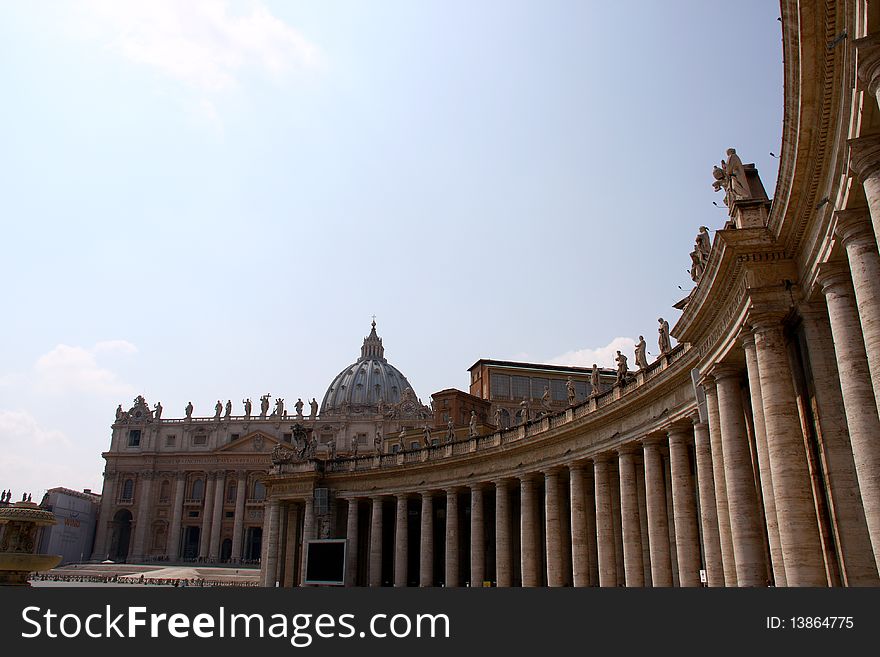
(401, 541)
(351, 535)
(478, 537)
(605, 549)
(176, 517)
(528, 531)
(452, 570)
(269, 566)
(308, 534)
(503, 565)
(207, 515)
(708, 507)
(658, 523)
(684, 510)
(426, 554)
(376, 542)
(217, 519)
(865, 161)
(857, 392)
(553, 528)
(631, 526)
(238, 521)
(108, 498)
(764, 473)
(290, 542)
(580, 555)
(854, 230)
(141, 533)
(728, 561)
(792, 486)
(742, 498)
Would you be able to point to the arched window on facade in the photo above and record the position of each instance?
(127, 490)
(259, 491)
(505, 418)
(165, 491)
(198, 489)
(231, 491)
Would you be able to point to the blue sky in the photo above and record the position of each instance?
(209, 200)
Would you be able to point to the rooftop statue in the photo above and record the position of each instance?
(247, 407)
(594, 381)
(664, 341)
(189, 410)
(641, 350)
(621, 369)
(571, 391)
(731, 177)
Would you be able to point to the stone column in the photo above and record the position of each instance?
(553, 529)
(865, 161)
(528, 530)
(308, 534)
(792, 487)
(376, 542)
(290, 543)
(728, 561)
(503, 565)
(478, 537)
(401, 542)
(426, 555)
(658, 524)
(108, 498)
(765, 474)
(684, 509)
(856, 389)
(604, 522)
(742, 499)
(854, 231)
(629, 517)
(217, 519)
(141, 529)
(238, 520)
(269, 566)
(176, 517)
(580, 555)
(868, 49)
(451, 578)
(351, 535)
(708, 507)
(207, 515)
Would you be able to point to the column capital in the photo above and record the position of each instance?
(864, 156)
(854, 227)
(577, 466)
(707, 380)
(746, 337)
(868, 51)
(552, 471)
(147, 475)
(604, 457)
(241, 474)
(627, 448)
(834, 276)
(723, 371)
(478, 485)
(427, 494)
(401, 496)
(766, 320)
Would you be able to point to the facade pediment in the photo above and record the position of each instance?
(255, 441)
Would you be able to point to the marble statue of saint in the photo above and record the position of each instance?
(704, 244)
(472, 425)
(621, 369)
(299, 407)
(228, 408)
(313, 405)
(731, 176)
(641, 350)
(696, 266)
(264, 405)
(313, 446)
(279, 407)
(450, 431)
(594, 381)
(545, 399)
(157, 407)
(218, 408)
(119, 412)
(571, 391)
(524, 405)
(377, 442)
(331, 447)
(189, 410)
(664, 342)
(497, 417)
(380, 407)
(427, 436)
(247, 407)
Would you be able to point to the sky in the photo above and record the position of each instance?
(209, 200)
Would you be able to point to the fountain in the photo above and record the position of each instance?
(18, 533)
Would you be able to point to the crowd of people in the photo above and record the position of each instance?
(145, 581)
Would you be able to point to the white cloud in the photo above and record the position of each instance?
(32, 457)
(22, 428)
(67, 368)
(198, 42)
(602, 356)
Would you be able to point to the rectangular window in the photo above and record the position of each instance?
(134, 437)
(538, 385)
(519, 387)
(558, 390)
(500, 386)
(582, 388)
(170, 440)
(361, 438)
(288, 437)
(435, 442)
(193, 514)
(395, 449)
(414, 445)
(230, 514)
(200, 439)
(234, 436)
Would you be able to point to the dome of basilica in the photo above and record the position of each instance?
(368, 385)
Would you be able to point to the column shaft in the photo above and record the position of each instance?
(580, 556)
(503, 565)
(629, 517)
(452, 570)
(217, 518)
(269, 566)
(141, 531)
(728, 561)
(478, 537)
(401, 542)
(308, 534)
(708, 507)
(426, 555)
(207, 516)
(528, 531)
(289, 551)
(176, 517)
(351, 536)
(376, 542)
(553, 529)
(658, 524)
(684, 509)
(238, 520)
(604, 523)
